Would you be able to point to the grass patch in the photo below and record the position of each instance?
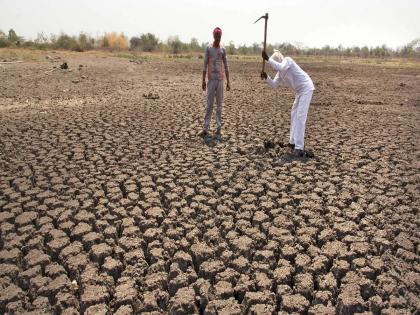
(21, 54)
(141, 57)
(125, 55)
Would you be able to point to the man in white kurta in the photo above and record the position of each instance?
(290, 74)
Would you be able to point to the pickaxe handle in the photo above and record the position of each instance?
(265, 39)
(265, 17)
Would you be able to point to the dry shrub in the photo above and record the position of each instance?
(115, 41)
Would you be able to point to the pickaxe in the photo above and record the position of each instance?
(265, 35)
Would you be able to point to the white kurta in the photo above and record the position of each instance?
(290, 74)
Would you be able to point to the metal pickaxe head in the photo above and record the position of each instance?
(263, 17)
(265, 36)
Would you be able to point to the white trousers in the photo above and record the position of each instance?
(214, 89)
(298, 119)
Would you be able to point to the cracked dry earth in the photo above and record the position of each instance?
(111, 204)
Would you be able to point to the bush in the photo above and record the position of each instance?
(230, 49)
(194, 45)
(3, 40)
(13, 38)
(115, 41)
(149, 42)
(65, 41)
(146, 42)
(175, 44)
(41, 42)
(86, 42)
(135, 43)
(29, 44)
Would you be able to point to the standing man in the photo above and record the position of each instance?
(290, 74)
(216, 66)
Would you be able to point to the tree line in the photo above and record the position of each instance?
(148, 42)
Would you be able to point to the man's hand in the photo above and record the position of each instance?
(263, 75)
(204, 85)
(228, 86)
(264, 55)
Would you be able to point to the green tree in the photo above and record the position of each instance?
(13, 38)
(243, 50)
(41, 39)
(40, 42)
(365, 51)
(255, 49)
(269, 49)
(3, 39)
(411, 49)
(355, 50)
(135, 43)
(65, 41)
(86, 42)
(194, 45)
(415, 44)
(326, 50)
(175, 44)
(230, 49)
(148, 42)
(105, 42)
(204, 45)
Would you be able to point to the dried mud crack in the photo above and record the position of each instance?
(111, 204)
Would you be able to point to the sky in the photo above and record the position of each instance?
(307, 23)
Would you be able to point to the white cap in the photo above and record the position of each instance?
(277, 56)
